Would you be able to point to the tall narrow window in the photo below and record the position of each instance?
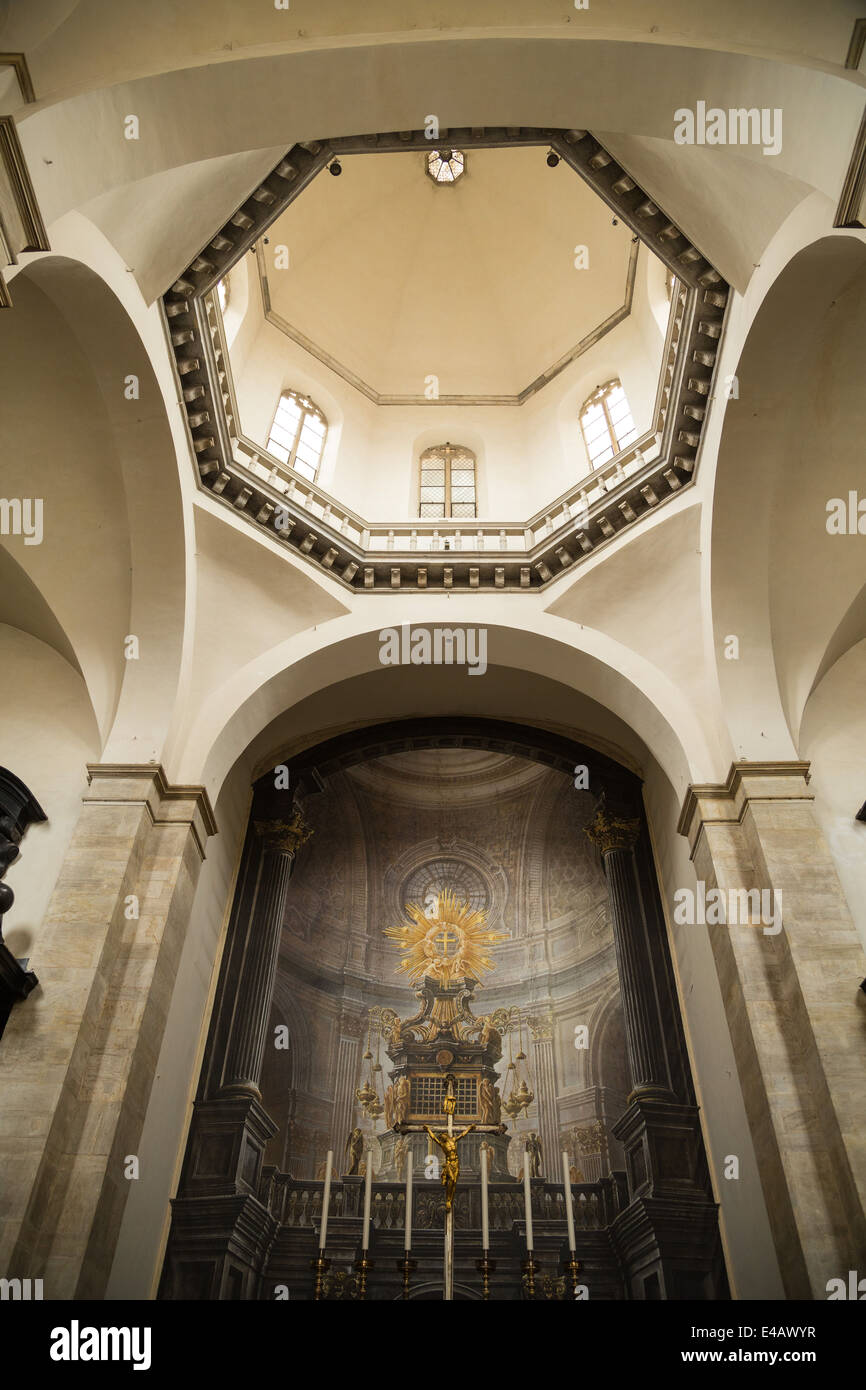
(447, 481)
(606, 423)
(297, 435)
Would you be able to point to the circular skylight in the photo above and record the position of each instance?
(446, 166)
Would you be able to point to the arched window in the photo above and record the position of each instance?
(297, 435)
(447, 481)
(606, 423)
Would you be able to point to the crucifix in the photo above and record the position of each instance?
(448, 1141)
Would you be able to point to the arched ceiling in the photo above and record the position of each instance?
(399, 278)
(477, 775)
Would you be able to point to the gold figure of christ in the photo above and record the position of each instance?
(448, 1144)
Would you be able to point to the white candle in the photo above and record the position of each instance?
(407, 1244)
(368, 1193)
(569, 1202)
(485, 1225)
(527, 1202)
(326, 1200)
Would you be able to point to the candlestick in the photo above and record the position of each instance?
(407, 1244)
(363, 1266)
(527, 1203)
(326, 1200)
(318, 1266)
(485, 1268)
(530, 1268)
(407, 1265)
(485, 1221)
(569, 1201)
(368, 1193)
(573, 1266)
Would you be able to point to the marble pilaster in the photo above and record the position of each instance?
(76, 1066)
(795, 1013)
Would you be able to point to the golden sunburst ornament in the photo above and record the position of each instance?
(447, 945)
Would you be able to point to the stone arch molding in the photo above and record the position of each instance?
(139, 531)
(796, 602)
(251, 712)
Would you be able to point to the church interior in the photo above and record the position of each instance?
(433, 641)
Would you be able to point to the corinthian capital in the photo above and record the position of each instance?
(283, 836)
(611, 832)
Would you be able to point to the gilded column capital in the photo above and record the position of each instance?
(283, 836)
(611, 832)
(541, 1026)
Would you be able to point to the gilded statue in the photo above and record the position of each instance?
(388, 1102)
(451, 1169)
(489, 1102)
(491, 1038)
(401, 1148)
(355, 1149)
(401, 1101)
(396, 1035)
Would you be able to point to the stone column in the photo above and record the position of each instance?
(541, 1029)
(77, 1064)
(221, 1178)
(616, 839)
(794, 1008)
(668, 1235)
(279, 842)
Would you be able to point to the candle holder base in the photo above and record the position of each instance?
(363, 1267)
(486, 1267)
(572, 1269)
(408, 1266)
(319, 1266)
(531, 1268)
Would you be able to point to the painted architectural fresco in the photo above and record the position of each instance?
(504, 835)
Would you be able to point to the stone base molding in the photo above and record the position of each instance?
(795, 1012)
(77, 1065)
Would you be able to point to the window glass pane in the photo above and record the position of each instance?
(604, 435)
(282, 435)
(603, 457)
(309, 434)
(596, 430)
(441, 464)
(278, 451)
